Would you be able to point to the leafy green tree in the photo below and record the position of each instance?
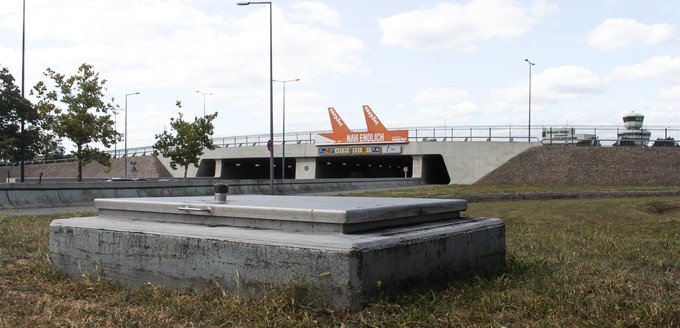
(75, 110)
(13, 110)
(186, 145)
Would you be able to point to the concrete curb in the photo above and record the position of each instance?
(18, 196)
(501, 197)
(4, 200)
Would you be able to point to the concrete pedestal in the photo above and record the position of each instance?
(345, 250)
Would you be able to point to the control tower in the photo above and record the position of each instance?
(634, 135)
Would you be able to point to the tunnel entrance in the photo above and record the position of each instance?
(434, 170)
(256, 168)
(363, 166)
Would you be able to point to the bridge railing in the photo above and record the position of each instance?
(606, 136)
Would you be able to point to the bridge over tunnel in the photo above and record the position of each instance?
(434, 169)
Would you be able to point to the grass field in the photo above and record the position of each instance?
(570, 263)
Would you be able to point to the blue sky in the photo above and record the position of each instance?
(416, 63)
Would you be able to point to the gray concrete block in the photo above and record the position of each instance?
(345, 250)
(342, 270)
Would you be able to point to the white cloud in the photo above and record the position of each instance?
(315, 12)
(553, 85)
(179, 45)
(567, 82)
(440, 96)
(617, 33)
(84, 21)
(671, 95)
(168, 49)
(657, 69)
(449, 24)
(451, 114)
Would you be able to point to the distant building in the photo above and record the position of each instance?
(566, 136)
(634, 135)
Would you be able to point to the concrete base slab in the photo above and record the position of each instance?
(341, 270)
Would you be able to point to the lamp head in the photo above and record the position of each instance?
(243, 3)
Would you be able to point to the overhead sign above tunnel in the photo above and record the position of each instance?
(376, 132)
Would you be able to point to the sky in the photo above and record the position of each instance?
(416, 63)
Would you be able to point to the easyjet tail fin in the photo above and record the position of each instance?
(340, 129)
(373, 123)
(337, 123)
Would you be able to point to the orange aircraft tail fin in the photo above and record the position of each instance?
(340, 129)
(336, 121)
(373, 123)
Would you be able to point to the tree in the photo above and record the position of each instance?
(13, 110)
(85, 117)
(186, 145)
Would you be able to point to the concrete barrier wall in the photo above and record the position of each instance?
(83, 194)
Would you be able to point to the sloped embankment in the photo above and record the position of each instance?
(147, 167)
(595, 166)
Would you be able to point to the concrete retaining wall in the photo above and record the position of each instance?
(147, 167)
(83, 194)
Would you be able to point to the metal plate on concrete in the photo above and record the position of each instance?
(291, 213)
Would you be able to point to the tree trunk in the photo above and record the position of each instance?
(186, 168)
(80, 163)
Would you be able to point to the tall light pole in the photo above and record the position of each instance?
(204, 94)
(283, 143)
(270, 144)
(115, 128)
(23, 65)
(530, 64)
(126, 134)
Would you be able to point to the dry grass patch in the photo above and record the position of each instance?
(570, 263)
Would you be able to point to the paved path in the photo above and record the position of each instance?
(472, 198)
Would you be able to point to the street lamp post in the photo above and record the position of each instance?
(115, 128)
(126, 134)
(530, 64)
(23, 122)
(204, 94)
(271, 93)
(283, 143)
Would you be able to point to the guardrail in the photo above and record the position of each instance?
(606, 136)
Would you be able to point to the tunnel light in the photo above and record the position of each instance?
(328, 163)
(257, 165)
(238, 164)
